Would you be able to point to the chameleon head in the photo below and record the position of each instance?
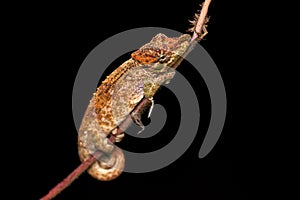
(162, 51)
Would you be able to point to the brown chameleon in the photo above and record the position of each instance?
(137, 78)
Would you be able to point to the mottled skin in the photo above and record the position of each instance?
(137, 78)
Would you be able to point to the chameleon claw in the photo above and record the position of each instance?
(140, 131)
(137, 120)
(140, 124)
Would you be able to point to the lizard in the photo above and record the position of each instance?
(137, 78)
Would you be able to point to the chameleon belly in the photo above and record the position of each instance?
(118, 95)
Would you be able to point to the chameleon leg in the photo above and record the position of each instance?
(150, 89)
(136, 116)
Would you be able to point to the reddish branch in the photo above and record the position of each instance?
(75, 174)
(142, 106)
(199, 31)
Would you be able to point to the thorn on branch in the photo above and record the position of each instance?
(199, 23)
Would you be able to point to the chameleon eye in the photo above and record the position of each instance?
(162, 57)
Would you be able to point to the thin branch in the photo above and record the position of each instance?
(199, 31)
(142, 106)
(200, 28)
(75, 174)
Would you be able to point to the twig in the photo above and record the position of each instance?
(143, 105)
(199, 31)
(200, 27)
(75, 174)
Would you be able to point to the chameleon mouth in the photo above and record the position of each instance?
(176, 59)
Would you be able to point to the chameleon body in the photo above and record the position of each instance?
(117, 96)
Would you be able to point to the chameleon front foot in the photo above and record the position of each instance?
(136, 116)
(137, 120)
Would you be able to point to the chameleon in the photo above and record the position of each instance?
(137, 78)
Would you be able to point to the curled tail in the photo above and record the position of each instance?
(108, 167)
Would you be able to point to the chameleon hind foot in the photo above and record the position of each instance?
(117, 136)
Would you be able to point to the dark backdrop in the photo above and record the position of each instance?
(58, 38)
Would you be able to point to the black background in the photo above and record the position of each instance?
(54, 41)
